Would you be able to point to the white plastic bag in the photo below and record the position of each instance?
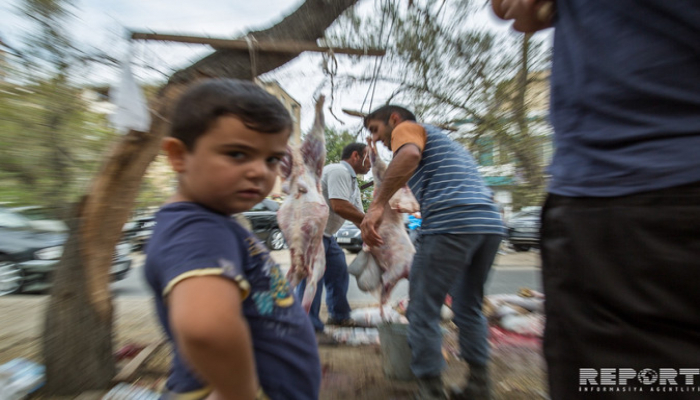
(132, 111)
(20, 377)
(371, 316)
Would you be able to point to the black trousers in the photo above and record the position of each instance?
(622, 283)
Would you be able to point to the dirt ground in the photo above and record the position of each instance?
(349, 372)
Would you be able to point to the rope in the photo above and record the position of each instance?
(253, 50)
(330, 66)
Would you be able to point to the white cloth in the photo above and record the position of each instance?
(132, 111)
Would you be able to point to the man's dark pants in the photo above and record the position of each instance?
(336, 281)
(459, 264)
(622, 285)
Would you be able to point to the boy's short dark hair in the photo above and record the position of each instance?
(352, 147)
(383, 114)
(202, 104)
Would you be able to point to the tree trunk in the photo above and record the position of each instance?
(78, 335)
(525, 150)
(78, 330)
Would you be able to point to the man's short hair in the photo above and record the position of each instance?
(383, 113)
(352, 147)
(202, 104)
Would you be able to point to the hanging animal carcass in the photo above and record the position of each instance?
(303, 214)
(378, 269)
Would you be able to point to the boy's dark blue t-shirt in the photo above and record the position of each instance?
(190, 240)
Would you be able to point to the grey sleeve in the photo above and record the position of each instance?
(340, 184)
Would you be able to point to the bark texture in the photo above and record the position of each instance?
(78, 331)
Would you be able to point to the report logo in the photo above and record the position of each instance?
(644, 380)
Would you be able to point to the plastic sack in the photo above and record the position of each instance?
(371, 316)
(525, 324)
(356, 336)
(19, 378)
(125, 391)
(132, 111)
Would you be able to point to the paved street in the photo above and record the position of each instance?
(511, 271)
(22, 318)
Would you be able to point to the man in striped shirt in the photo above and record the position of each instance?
(460, 235)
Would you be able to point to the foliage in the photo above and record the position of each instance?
(366, 194)
(451, 71)
(335, 142)
(51, 142)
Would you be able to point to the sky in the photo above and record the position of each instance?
(104, 25)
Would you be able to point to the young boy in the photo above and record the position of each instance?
(237, 330)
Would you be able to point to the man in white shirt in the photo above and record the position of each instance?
(342, 194)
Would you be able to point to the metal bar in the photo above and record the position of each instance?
(276, 46)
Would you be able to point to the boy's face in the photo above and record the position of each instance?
(231, 167)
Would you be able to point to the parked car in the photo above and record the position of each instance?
(524, 229)
(28, 256)
(139, 231)
(349, 237)
(262, 219)
(40, 219)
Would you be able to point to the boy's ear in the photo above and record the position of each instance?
(175, 150)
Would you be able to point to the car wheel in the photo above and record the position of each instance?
(275, 241)
(521, 247)
(11, 277)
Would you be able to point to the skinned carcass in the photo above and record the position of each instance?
(379, 269)
(303, 215)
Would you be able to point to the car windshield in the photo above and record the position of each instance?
(12, 221)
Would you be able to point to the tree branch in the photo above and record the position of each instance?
(307, 23)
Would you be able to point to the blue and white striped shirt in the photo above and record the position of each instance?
(452, 195)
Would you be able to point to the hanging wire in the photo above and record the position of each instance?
(378, 63)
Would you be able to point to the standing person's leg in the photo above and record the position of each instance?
(620, 279)
(439, 259)
(315, 305)
(467, 299)
(336, 282)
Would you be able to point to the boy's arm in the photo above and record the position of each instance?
(213, 335)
